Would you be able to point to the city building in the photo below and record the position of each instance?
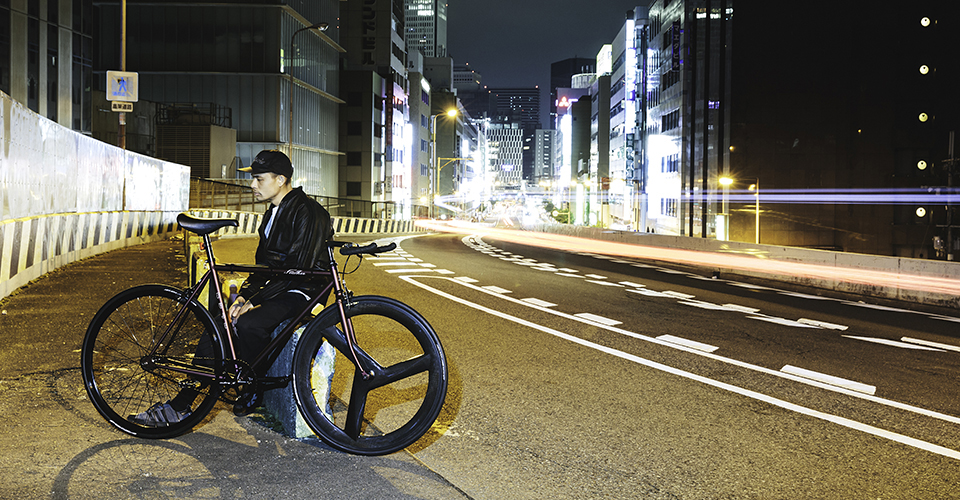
(248, 61)
(426, 27)
(544, 157)
(46, 58)
(421, 154)
(374, 134)
(797, 142)
(521, 107)
(505, 154)
(561, 73)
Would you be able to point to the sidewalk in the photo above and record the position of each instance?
(55, 445)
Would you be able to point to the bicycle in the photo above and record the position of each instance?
(388, 385)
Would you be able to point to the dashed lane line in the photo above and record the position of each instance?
(830, 379)
(836, 419)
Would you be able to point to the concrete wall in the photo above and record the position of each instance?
(66, 196)
(931, 282)
(250, 221)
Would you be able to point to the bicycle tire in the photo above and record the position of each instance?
(118, 378)
(399, 404)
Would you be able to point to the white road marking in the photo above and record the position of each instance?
(466, 279)
(928, 343)
(822, 324)
(669, 271)
(630, 283)
(693, 344)
(444, 271)
(945, 318)
(702, 305)
(495, 289)
(806, 296)
(604, 283)
(598, 319)
(647, 292)
(677, 295)
(417, 269)
(538, 302)
(568, 270)
(427, 265)
(893, 343)
(781, 321)
(830, 379)
(875, 306)
(749, 286)
(568, 275)
(395, 263)
(845, 422)
(595, 276)
(743, 309)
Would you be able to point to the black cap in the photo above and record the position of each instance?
(270, 160)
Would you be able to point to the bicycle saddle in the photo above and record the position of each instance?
(203, 226)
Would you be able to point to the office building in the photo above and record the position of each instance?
(561, 73)
(544, 154)
(426, 27)
(376, 142)
(800, 122)
(46, 58)
(250, 61)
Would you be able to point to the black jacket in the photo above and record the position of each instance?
(298, 240)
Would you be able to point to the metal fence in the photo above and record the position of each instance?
(231, 194)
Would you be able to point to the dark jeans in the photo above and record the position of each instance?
(254, 329)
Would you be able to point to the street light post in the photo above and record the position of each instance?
(756, 193)
(725, 182)
(321, 27)
(436, 159)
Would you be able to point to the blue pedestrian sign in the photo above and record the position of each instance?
(122, 86)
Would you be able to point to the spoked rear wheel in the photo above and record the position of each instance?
(123, 381)
(392, 409)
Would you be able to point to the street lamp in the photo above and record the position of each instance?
(725, 225)
(756, 193)
(320, 27)
(452, 113)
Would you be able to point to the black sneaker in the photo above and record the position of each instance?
(159, 415)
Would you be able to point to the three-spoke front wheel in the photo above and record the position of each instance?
(395, 406)
(137, 353)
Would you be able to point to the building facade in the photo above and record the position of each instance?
(46, 58)
(375, 139)
(733, 96)
(426, 27)
(266, 59)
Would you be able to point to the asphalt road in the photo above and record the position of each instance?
(572, 376)
(586, 376)
(53, 444)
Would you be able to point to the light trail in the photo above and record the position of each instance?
(861, 196)
(930, 284)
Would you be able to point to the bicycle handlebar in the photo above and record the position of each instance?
(353, 249)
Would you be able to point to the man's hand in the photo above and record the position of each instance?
(239, 307)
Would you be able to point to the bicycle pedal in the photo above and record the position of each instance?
(247, 403)
(189, 384)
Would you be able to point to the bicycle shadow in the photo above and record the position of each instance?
(231, 457)
(204, 465)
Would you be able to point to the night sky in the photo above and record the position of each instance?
(512, 43)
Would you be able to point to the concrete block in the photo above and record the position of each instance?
(281, 402)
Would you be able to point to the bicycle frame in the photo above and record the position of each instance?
(212, 277)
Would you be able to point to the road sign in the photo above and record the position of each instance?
(122, 86)
(123, 107)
